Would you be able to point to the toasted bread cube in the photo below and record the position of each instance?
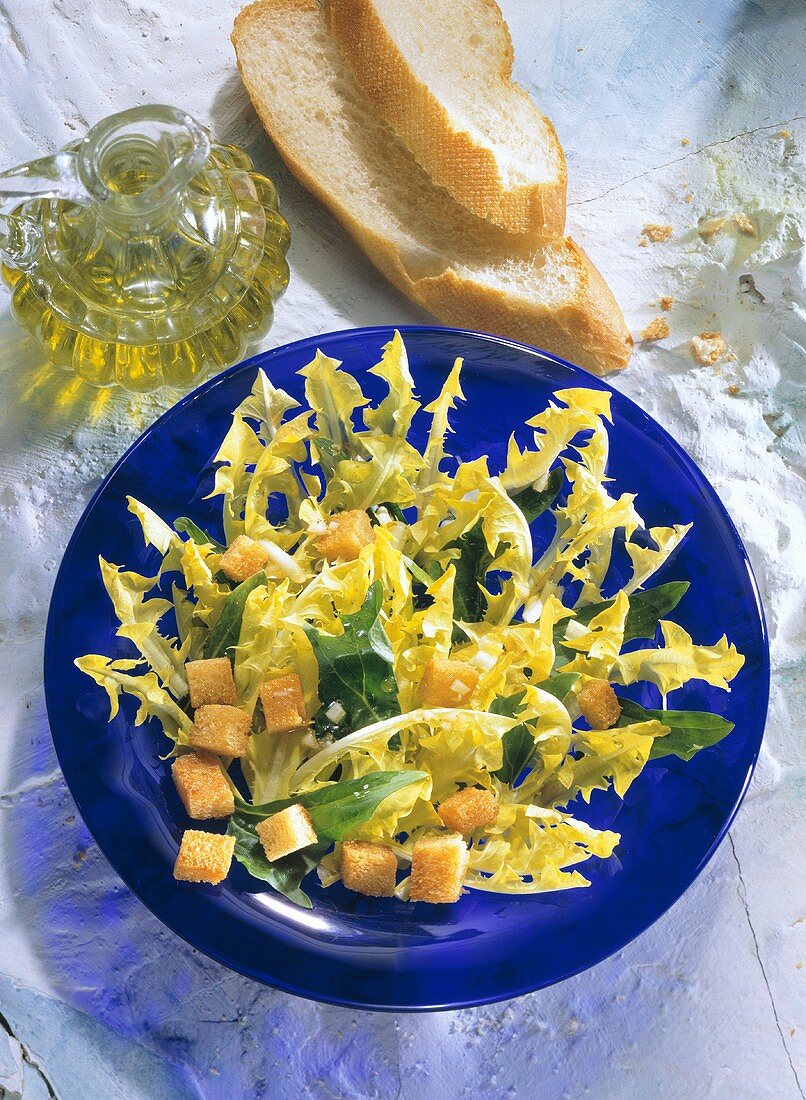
(204, 857)
(211, 681)
(368, 868)
(283, 703)
(468, 809)
(243, 559)
(447, 683)
(438, 867)
(223, 730)
(204, 791)
(599, 704)
(346, 535)
(286, 832)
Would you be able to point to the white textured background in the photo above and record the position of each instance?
(96, 999)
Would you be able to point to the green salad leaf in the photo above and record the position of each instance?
(475, 559)
(560, 684)
(186, 526)
(227, 630)
(356, 673)
(286, 874)
(337, 809)
(533, 502)
(472, 566)
(328, 453)
(418, 574)
(394, 510)
(689, 730)
(647, 608)
(518, 743)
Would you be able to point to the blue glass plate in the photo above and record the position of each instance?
(379, 953)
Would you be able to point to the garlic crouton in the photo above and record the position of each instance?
(243, 559)
(201, 785)
(286, 832)
(438, 867)
(220, 729)
(368, 868)
(283, 703)
(211, 681)
(599, 704)
(447, 683)
(204, 857)
(345, 536)
(468, 809)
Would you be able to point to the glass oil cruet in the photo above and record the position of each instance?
(144, 255)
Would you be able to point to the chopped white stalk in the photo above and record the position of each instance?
(403, 889)
(485, 660)
(575, 629)
(533, 610)
(317, 527)
(310, 742)
(335, 712)
(282, 561)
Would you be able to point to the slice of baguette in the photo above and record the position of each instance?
(440, 73)
(459, 267)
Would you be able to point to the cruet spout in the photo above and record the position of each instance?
(53, 177)
(130, 167)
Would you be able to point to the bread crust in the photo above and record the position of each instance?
(453, 159)
(589, 331)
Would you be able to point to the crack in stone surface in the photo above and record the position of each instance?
(686, 156)
(35, 783)
(741, 890)
(28, 1058)
(13, 33)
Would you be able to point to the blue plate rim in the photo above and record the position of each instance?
(384, 333)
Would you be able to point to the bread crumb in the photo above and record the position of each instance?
(783, 134)
(685, 141)
(657, 329)
(730, 357)
(733, 390)
(709, 226)
(744, 225)
(580, 49)
(708, 348)
(688, 198)
(642, 243)
(657, 233)
(666, 302)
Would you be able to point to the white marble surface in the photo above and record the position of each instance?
(96, 998)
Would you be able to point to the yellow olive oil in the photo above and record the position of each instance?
(156, 280)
